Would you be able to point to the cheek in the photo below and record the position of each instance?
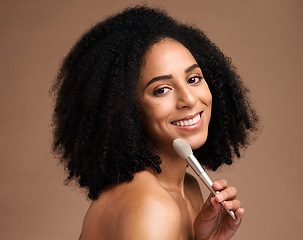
(152, 114)
(210, 99)
(209, 102)
(155, 114)
(207, 97)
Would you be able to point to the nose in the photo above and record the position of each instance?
(185, 98)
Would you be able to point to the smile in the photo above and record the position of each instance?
(187, 122)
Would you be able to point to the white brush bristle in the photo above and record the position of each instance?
(182, 148)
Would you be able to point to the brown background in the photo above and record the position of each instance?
(264, 39)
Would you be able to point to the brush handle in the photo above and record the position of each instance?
(208, 182)
(198, 169)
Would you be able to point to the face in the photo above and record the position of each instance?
(174, 98)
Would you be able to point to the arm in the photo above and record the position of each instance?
(212, 222)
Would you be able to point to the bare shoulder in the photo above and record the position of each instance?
(153, 214)
(193, 191)
(140, 209)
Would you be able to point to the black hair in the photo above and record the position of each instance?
(97, 127)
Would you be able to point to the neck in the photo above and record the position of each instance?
(173, 172)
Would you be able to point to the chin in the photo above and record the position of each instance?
(196, 145)
(196, 142)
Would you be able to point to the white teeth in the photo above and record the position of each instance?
(188, 122)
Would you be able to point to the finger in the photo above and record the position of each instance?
(239, 213)
(220, 184)
(210, 210)
(234, 224)
(232, 205)
(229, 193)
(208, 218)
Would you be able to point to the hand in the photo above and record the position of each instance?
(213, 221)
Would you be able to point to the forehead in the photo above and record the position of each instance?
(165, 48)
(166, 56)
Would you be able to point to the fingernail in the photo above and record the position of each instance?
(227, 204)
(242, 209)
(217, 184)
(238, 220)
(219, 197)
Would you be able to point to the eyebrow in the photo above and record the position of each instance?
(187, 70)
(163, 77)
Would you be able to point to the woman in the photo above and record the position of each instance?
(128, 88)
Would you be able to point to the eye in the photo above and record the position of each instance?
(161, 91)
(194, 79)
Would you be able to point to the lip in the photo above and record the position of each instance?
(192, 127)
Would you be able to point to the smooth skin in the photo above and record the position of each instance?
(169, 205)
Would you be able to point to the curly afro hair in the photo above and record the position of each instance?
(98, 134)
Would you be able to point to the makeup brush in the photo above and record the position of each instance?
(184, 150)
